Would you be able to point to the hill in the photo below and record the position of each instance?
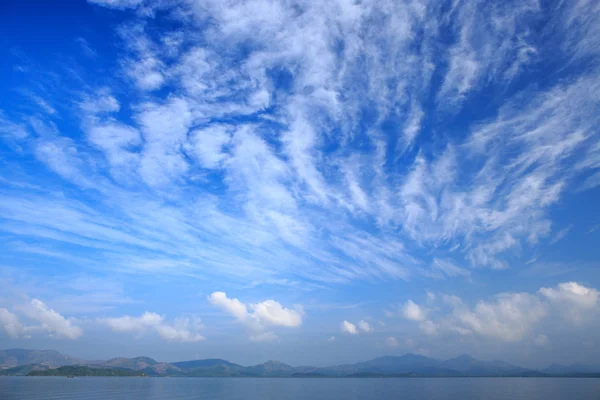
(80, 370)
(18, 357)
(51, 363)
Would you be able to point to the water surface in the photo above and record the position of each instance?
(61, 388)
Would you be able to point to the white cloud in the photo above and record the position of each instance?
(144, 65)
(164, 128)
(257, 317)
(354, 329)
(12, 130)
(348, 327)
(271, 312)
(59, 154)
(11, 324)
(364, 326)
(265, 157)
(117, 3)
(39, 318)
(509, 316)
(449, 268)
(560, 235)
(572, 293)
(132, 324)
(391, 342)
(116, 141)
(331, 339)
(577, 302)
(43, 104)
(413, 311)
(102, 101)
(231, 306)
(428, 327)
(207, 145)
(185, 330)
(51, 321)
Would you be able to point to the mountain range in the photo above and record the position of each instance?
(50, 362)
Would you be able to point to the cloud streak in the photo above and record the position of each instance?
(278, 133)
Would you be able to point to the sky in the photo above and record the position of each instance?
(318, 182)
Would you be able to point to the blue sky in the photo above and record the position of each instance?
(316, 182)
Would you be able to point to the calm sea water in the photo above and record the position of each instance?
(58, 388)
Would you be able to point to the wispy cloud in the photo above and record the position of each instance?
(211, 142)
(182, 329)
(319, 145)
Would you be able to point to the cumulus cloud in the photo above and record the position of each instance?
(11, 324)
(413, 311)
(348, 327)
(354, 329)
(271, 312)
(391, 342)
(428, 327)
(510, 317)
(231, 306)
(572, 293)
(575, 301)
(183, 329)
(41, 318)
(51, 321)
(257, 317)
(365, 327)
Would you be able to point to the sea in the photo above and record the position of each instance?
(130, 388)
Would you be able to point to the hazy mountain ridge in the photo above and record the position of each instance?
(388, 366)
(19, 357)
(82, 370)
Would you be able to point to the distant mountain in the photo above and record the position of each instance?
(210, 367)
(146, 365)
(23, 370)
(135, 363)
(270, 368)
(390, 365)
(473, 367)
(17, 357)
(208, 363)
(566, 370)
(49, 362)
(81, 370)
(398, 365)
